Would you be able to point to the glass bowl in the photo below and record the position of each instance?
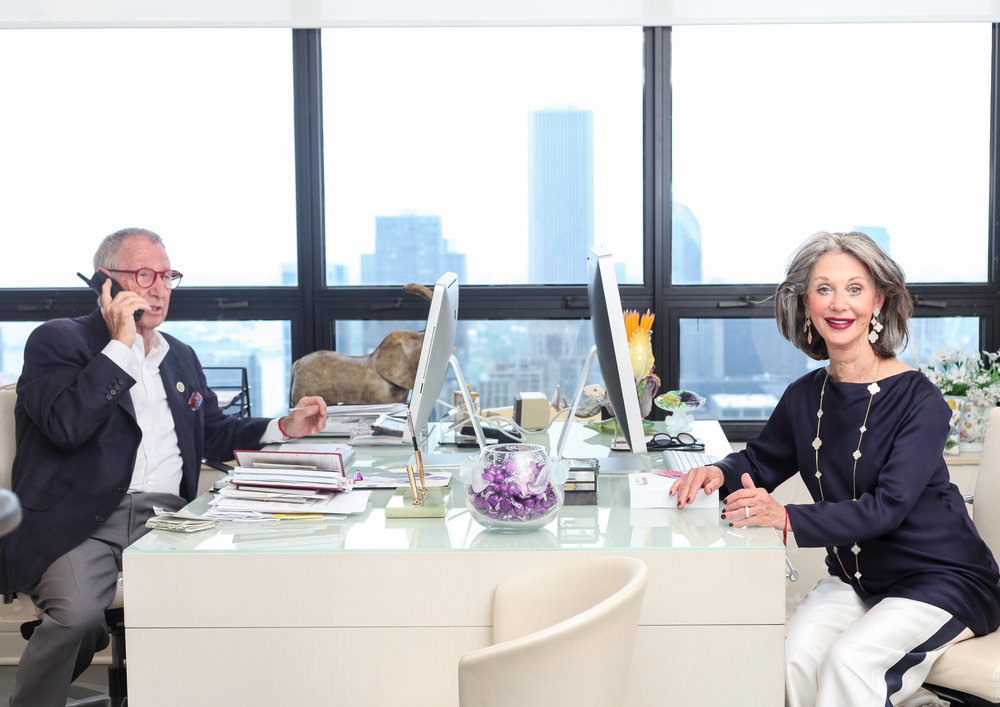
(511, 488)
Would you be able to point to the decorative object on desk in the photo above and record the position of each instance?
(461, 415)
(594, 396)
(977, 377)
(385, 375)
(679, 404)
(434, 503)
(639, 331)
(531, 410)
(580, 488)
(514, 487)
(611, 427)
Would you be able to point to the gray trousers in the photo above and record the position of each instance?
(72, 597)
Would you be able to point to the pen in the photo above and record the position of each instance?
(413, 484)
(416, 452)
(300, 407)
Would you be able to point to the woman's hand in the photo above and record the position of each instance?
(308, 419)
(708, 478)
(753, 506)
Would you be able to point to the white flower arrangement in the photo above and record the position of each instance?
(958, 372)
(974, 377)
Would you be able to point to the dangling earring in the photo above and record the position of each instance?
(807, 329)
(876, 326)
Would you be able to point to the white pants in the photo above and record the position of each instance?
(839, 652)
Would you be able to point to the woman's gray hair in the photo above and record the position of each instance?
(109, 249)
(790, 311)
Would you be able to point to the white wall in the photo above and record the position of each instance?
(346, 13)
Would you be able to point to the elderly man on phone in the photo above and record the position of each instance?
(112, 418)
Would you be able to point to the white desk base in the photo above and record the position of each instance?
(377, 612)
(387, 628)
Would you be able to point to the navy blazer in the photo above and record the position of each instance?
(77, 439)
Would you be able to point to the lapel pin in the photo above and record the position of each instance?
(180, 387)
(194, 402)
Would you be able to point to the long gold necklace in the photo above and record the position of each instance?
(817, 443)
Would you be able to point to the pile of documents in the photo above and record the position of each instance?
(342, 419)
(283, 483)
(179, 522)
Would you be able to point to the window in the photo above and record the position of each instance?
(499, 358)
(499, 154)
(13, 336)
(260, 347)
(187, 132)
(782, 131)
(742, 366)
(700, 155)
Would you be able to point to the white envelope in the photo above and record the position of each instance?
(648, 490)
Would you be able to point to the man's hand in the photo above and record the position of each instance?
(309, 417)
(118, 313)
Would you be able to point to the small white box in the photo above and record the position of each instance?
(531, 410)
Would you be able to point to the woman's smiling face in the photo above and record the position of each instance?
(840, 301)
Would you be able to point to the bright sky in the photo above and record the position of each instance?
(189, 132)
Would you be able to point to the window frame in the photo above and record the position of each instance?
(313, 308)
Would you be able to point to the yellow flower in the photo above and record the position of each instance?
(640, 345)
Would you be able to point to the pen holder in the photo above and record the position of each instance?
(514, 487)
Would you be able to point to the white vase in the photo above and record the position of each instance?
(975, 419)
(952, 446)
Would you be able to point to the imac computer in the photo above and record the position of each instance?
(436, 355)
(611, 349)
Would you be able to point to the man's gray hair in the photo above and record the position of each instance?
(789, 309)
(107, 255)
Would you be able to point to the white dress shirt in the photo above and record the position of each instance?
(158, 465)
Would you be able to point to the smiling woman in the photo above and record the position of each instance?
(866, 436)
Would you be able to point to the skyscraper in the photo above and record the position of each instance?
(561, 195)
(409, 248)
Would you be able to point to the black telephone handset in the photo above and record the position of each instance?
(96, 282)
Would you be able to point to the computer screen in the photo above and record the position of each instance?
(608, 322)
(435, 352)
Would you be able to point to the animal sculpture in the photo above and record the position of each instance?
(385, 375)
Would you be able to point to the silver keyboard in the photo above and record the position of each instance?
(679, 460)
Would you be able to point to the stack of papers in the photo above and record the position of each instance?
(341, 419)
(288, 482)
(291, 461)
(180, 522)
(290, 479)
(232, 503)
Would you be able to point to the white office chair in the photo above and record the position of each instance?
(116, 621)
(968, 673)
(563, 636)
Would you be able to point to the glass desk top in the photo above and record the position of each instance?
(610, 525)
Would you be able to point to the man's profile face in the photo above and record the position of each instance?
(138, 252)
